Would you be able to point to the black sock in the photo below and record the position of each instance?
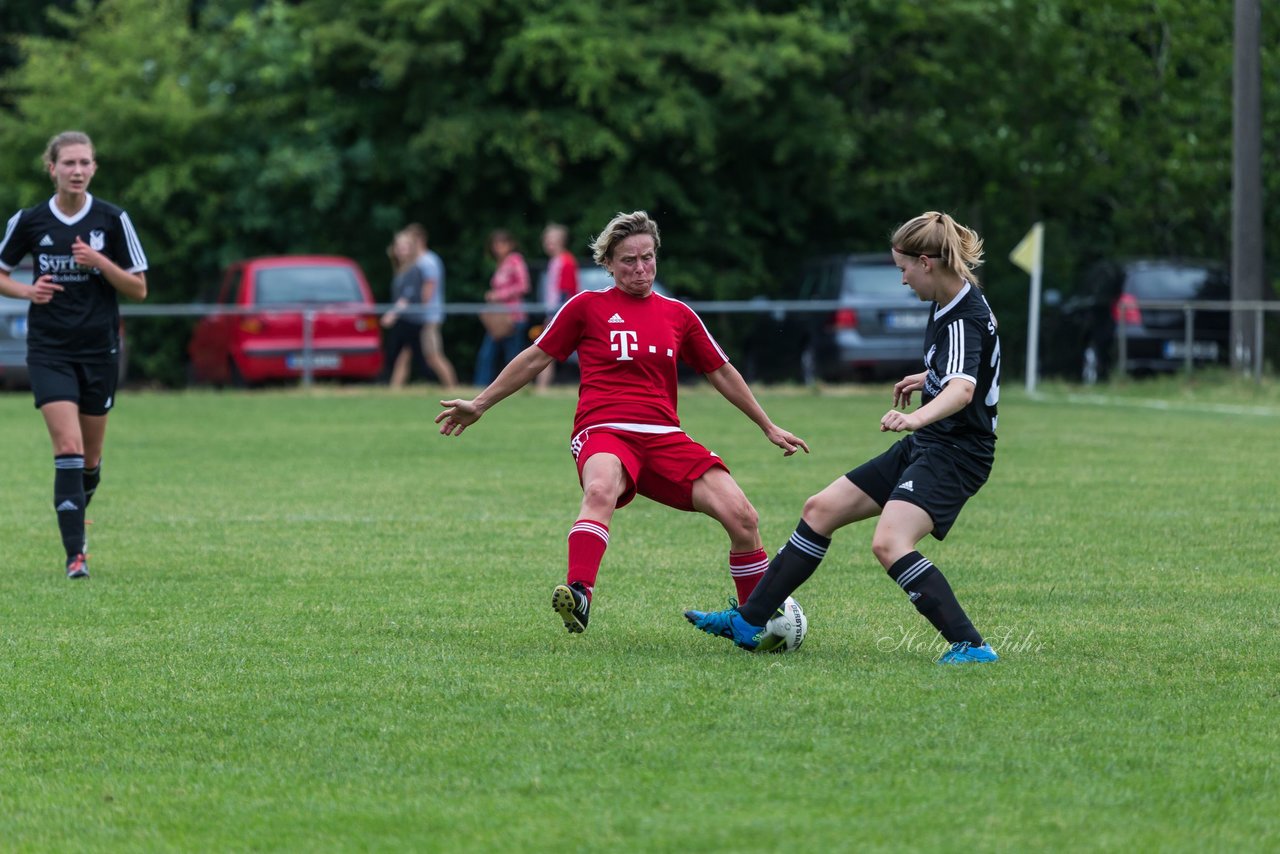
(928, 590)
(790, 567)
(92, 476)
(68, 501)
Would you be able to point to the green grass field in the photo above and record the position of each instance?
(315, 624)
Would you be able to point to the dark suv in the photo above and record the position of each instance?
(1115, 293)
(864, 324)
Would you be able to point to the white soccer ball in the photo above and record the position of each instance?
(786, 631)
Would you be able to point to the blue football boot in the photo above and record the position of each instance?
(728, 624)
(966, 653)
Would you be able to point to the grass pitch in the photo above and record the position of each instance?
(315, 624)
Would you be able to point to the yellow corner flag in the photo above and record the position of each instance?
(1027, 253)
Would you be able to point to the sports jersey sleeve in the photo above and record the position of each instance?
(698, 349)
(130, 256)
(564, 332)
(959, 350)
(13, 246)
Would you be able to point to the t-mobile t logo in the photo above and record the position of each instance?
(622, 342)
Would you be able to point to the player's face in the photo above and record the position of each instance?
(915, 275)
(634, 265)
(404, 248)
(73, 169)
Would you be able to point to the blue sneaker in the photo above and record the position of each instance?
(727, 624)
(966, 653)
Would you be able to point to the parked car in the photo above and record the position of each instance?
(874, 328)
(1113, 292)
(13, 335)
(264, 341)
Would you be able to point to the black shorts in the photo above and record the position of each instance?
(403, 334)
(90, 385)
(934, 478)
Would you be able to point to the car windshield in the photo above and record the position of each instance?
(293, 285)
(874, 280)
(1166, 283)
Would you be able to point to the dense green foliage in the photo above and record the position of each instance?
(757, 132)
(313, 625)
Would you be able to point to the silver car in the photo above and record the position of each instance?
(865, 325)
(13, 333)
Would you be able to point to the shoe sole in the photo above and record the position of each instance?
(81, 574)
(562, 602)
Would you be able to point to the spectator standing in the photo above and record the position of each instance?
(432, 296)
(403, 321)
(504, 325)
(560, 284)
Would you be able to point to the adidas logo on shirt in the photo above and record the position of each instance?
(907, 485)
(617, 318)
(46, 241)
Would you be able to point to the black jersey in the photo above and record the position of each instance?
(961, 342)
(82, 322)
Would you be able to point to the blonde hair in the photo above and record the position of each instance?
(61, 140)
(619, 229)
(937, 235)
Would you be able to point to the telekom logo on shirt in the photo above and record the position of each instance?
(622, 342)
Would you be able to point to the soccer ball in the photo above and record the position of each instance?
(786, 631)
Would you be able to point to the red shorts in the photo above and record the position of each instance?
(661, 466)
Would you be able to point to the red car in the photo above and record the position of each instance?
(262, 335)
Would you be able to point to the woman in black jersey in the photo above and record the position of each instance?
(918, 486)
(85, 252)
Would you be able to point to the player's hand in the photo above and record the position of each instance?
(788, 442)
(85, 256)
(43, 289)
(388, 320)
(903, 388)
(458, 415)
(895, 421)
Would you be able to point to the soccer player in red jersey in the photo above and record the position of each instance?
(626, 433)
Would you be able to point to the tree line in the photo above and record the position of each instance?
(757, 132)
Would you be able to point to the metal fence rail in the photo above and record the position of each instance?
(777, 308)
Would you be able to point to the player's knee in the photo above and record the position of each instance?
(599, 493)
(887, 548)
(746, 519)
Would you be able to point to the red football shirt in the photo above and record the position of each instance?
(627, 351)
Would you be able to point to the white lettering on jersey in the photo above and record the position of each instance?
(622, 342)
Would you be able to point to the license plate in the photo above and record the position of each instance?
(18, 326)
(318, 361)
(1207, 350)
(906, 320)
